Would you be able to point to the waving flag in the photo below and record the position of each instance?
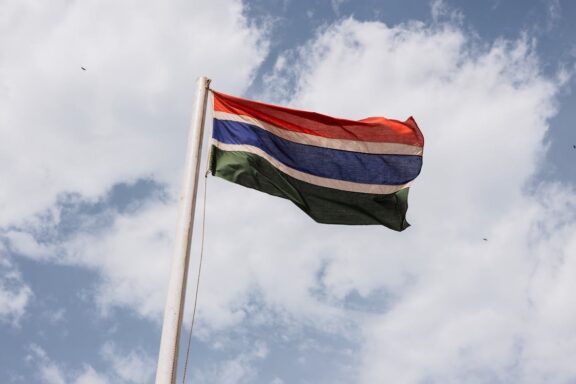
(337, 171)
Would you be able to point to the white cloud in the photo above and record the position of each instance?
(55, 315)
(463, 309)
(68, 130)
(240, 369)
(486, 312)
(128, 367)
(554, 12)
(442, 12)
(90, 376)
(26, 244)
(51, 374)
(47, 371)
(65, 130)
(133, 257)
(336, 4)
(15, 294)
(133, 367)
(132, 254)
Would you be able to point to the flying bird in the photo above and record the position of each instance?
(485, 239)
(83, 68)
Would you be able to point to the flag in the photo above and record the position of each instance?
(338, 171)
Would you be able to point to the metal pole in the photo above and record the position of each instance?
(169, 343)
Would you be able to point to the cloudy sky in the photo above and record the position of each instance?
(479, 290)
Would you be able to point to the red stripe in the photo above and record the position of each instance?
(373, 129)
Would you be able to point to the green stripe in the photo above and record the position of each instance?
(324, 205)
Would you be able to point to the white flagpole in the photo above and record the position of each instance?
(169, 343)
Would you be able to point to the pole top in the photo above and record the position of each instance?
(205, 81)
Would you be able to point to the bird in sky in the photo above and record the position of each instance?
(83, 68)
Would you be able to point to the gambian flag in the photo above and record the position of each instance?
(337, 171)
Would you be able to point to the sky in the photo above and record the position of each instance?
(478, 290)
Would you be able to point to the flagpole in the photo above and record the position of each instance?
(166, 372)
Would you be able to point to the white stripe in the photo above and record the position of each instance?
(318, 141)
(311, 179)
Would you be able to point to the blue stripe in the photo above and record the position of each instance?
(319, 161)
